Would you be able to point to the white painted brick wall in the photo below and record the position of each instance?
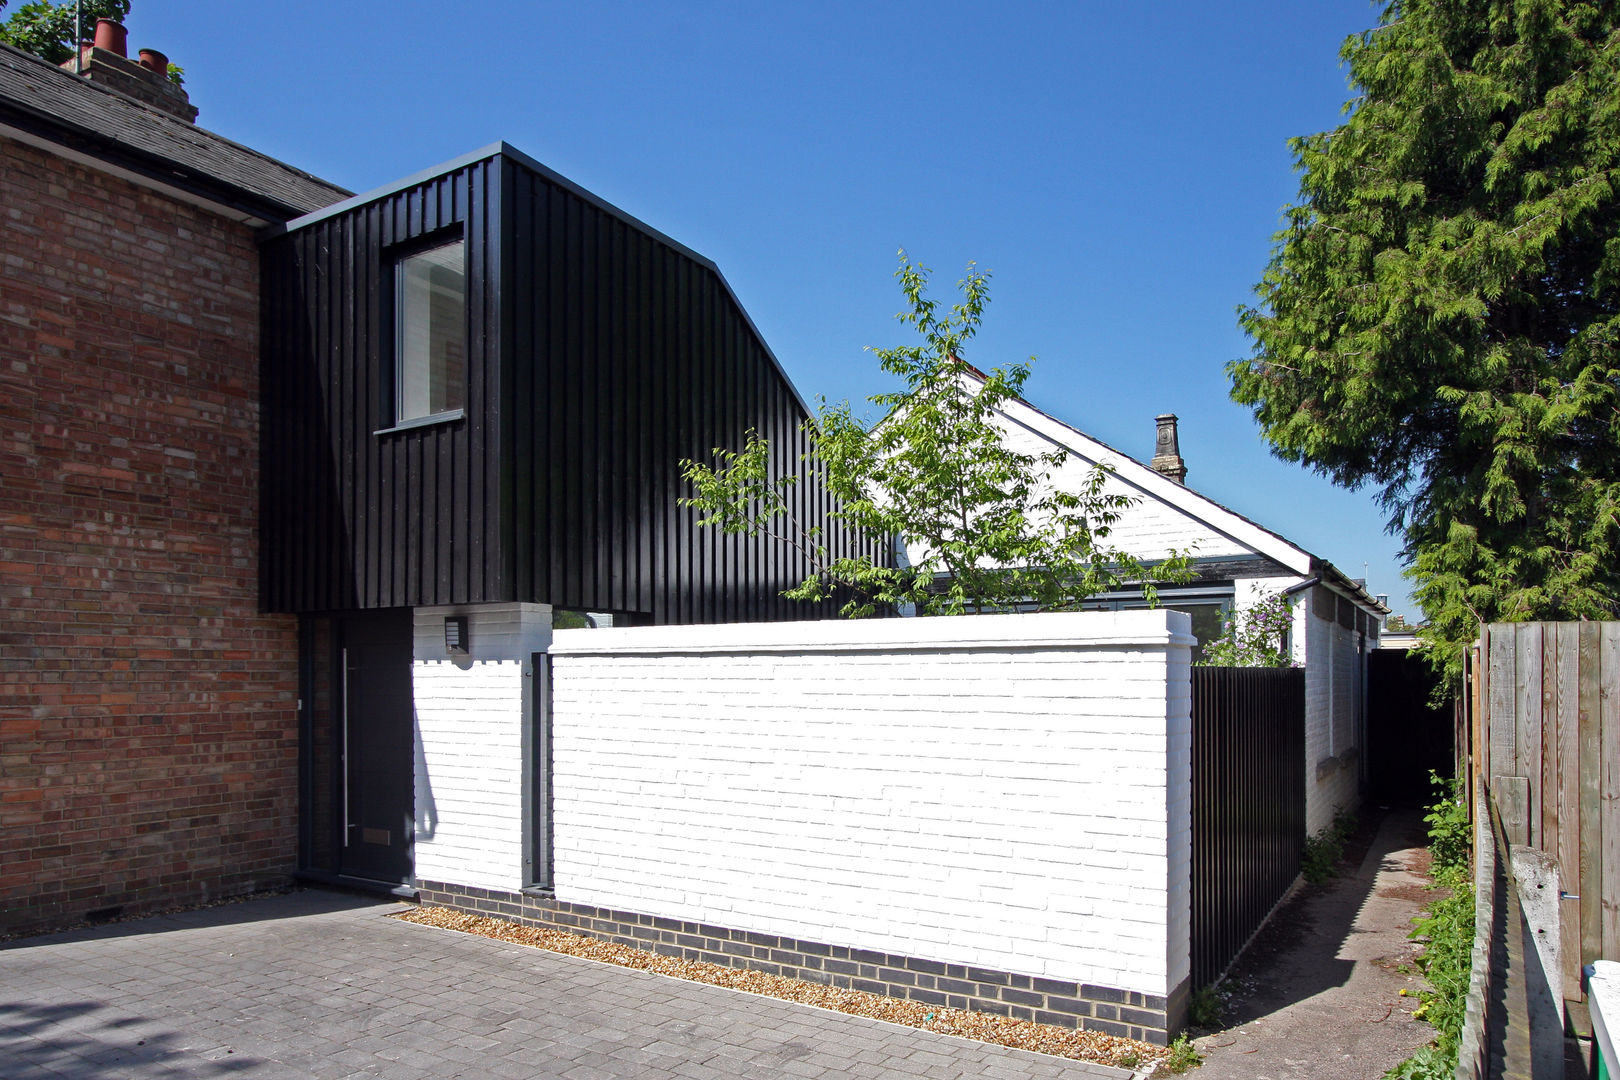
(494, 631)
(471, 732)
(992, 790)
(1334, 685)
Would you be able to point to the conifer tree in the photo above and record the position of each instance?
(1441, 315)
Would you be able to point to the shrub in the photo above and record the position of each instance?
(1258, 637)
(1320, 860)
(1204, 1008)
(1448, 925)
(1183, 1056)
(1450, 833)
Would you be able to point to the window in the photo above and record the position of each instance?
(1208, 621)
(430, 333)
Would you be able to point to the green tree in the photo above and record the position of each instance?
(997, 533)
(47, 29)
(1440, 316)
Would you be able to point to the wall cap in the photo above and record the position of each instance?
(1158, 628)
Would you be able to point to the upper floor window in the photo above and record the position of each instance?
(430, 333)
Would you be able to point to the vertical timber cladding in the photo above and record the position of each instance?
(600, 354)
(353, 519)
(630, 353)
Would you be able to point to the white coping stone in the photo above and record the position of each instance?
(1069, 629)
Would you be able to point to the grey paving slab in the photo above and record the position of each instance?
(320, 985)
(1327, 991)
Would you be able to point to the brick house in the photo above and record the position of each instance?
(148, 708)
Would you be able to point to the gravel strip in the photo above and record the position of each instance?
(1091, 1046)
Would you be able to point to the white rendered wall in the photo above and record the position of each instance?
(1247, 592)
(1004, 791)
(1334, 688)
(471, 743)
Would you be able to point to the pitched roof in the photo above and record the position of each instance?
(1154, 484)
(40, 103)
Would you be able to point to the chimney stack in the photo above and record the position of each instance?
(1167, 450)
(106, 61)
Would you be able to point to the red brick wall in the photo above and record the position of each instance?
(148, 733)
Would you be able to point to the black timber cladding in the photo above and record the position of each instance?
(600, 353)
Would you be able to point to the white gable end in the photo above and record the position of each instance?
(1167, 515)
(1149, 529)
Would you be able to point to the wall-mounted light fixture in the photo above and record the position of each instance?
(455, 635)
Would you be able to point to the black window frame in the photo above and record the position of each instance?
(394, 256)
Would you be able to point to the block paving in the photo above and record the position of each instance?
(320, 985)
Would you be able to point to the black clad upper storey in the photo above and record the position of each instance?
(598, 354)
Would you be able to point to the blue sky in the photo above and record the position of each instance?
(1119, 168)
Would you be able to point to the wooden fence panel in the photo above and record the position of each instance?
(1546, 740)
(1546, 805)
(1501, 746)
(1527, 725)
(1589, 875)
(1248, 805)
(1608, 815)
(1568, 804)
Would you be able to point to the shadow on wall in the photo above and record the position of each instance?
(70, 1040)
(427, 810)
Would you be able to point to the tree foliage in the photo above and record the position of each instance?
(1440, 316)
(47, 29)
(995, 531)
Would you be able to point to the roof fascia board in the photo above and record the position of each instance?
(507, 150)
(1132, 472)
(102, 165)
(393, 188)
(148, 170)
(1336, 580)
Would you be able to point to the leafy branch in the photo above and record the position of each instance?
(986, 527)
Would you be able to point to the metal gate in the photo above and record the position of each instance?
(1248, 805)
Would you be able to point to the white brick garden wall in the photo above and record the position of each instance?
(471, 743)
(1004, 791)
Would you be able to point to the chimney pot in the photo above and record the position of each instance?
(1167, 449)
(155, 62)
(112, 37)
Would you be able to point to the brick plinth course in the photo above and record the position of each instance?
(1048, 1001)
(148, 730)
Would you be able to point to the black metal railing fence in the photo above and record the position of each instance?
(1248, 805)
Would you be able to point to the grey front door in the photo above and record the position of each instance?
(377, 747)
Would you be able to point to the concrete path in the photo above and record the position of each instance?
(1318, 994)
(320, 985)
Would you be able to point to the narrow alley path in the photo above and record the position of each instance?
(1319, 993)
